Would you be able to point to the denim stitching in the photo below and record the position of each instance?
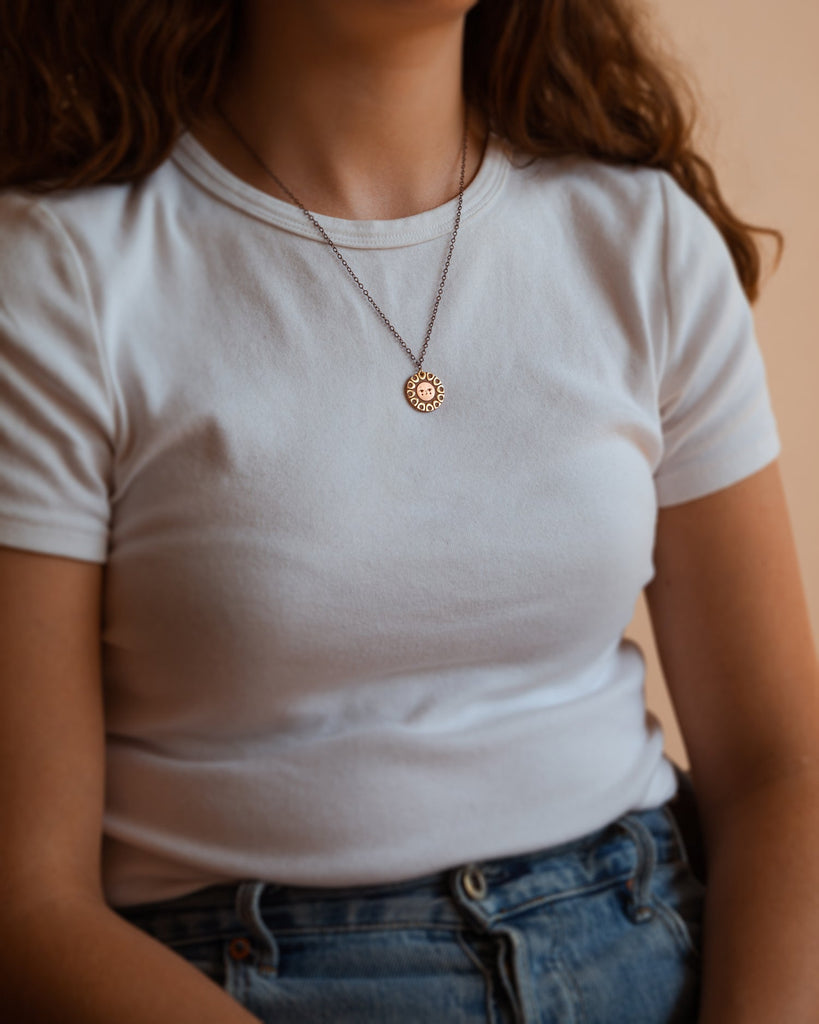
(559, 897)
(566, 976)
(489, 981)
(676, 925)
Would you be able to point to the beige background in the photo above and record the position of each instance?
(754, 67)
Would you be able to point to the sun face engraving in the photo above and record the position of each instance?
(424, 391)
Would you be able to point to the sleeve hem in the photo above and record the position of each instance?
(51, 539)
(700, 479)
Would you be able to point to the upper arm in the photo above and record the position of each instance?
(51, 724)
(734, 637)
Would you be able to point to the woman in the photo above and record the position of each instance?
(358, 727)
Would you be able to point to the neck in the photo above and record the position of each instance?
(356, 107)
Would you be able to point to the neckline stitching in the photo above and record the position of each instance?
(204, 170)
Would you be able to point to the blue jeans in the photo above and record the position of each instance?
(602, 930)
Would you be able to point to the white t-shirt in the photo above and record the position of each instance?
(344, 641)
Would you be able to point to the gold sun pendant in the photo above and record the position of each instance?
(424, 391)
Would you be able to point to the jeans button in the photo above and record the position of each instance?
(240, 949)
(474, 882)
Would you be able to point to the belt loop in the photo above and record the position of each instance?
(640, 908)
(248, 910)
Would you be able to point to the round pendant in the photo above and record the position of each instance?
(424, 391)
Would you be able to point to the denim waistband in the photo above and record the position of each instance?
(628, 848)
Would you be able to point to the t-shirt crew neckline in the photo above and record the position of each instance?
(192, 158)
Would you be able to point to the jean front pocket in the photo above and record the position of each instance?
(402, 974)
(679, 898)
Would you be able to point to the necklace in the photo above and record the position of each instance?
(423, 390)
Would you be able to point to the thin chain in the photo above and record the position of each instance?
(419, 360)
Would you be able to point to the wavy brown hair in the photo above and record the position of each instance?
(98, 91)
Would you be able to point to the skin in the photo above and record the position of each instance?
(357, 107)
(364, 113)
(735, 641)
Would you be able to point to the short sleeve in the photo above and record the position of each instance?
(717, 422)
(56, 416)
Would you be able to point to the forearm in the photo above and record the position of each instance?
(762, 909)
(72, 961)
